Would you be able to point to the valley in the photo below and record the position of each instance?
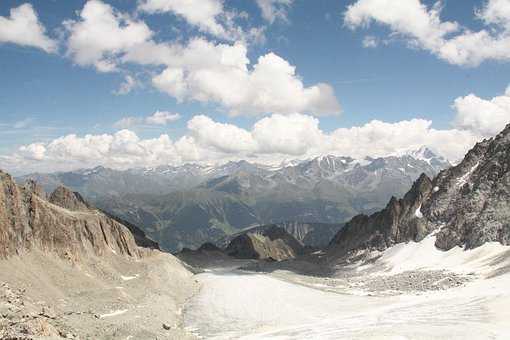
(185, 206)
(254, 170)
(432, 264)
(353, 304)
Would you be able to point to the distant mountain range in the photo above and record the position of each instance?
(185, 206)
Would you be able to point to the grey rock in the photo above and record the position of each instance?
(271, 243)
(468, 205)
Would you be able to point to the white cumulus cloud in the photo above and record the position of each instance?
(270, 140)
(205, 72)
(423, 28)
(101, 34)
(157, 118)
(484, 116)
(162, 118)
(22, 27)
(209, 16)
(198, 70)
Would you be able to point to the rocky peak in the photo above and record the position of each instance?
(270, 242)
(67, 199)
(401, 220)
(468, 205)
(29, 221)
(34, 187)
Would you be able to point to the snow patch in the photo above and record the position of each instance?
(424, 255)
(237, 305)
(418, 213)
(115, 313)
(464, 178)
(129, 278)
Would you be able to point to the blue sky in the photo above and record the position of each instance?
(44, 95)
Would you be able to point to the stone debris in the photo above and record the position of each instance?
(22, 318)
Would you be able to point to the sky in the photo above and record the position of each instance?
(151, 82)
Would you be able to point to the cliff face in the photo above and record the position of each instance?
(471, 202)
(64, 224)
(466, 205)
(400, 221)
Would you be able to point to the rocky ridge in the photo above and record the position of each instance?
(466, 205)
(64, 223)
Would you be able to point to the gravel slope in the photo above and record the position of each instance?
(111, 297)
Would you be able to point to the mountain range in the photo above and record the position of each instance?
(185, 206)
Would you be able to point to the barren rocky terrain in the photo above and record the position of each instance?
(103, 298)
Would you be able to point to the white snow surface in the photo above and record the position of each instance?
(129, 278)
(418, 213)
(115, 313)
(237, 305)
(424, 255)
(465, 178)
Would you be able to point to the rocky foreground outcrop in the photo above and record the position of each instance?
(466, 205)
(63, 223)
(270, 242)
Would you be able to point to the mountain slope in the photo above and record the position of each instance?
(185, 218)
(466, 205)
(70, 271)
(63, 224)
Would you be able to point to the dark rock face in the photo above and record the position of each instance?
(29, 221)
(400, 221)
(141, 238)
(472, 200)
(468, 205)
(270, 243)
(209, 247)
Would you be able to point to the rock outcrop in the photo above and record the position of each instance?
(271, 242)
(67, 199)
(400, 221)
(465, 205)
(471, 201)
(309, 234)
(64, 224)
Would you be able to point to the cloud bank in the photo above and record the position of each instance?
(270, 140)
